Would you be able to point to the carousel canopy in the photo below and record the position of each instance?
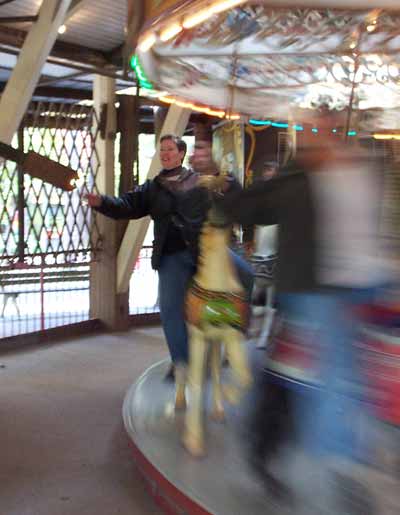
(262, 61)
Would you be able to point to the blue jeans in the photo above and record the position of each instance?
(328, 418)
(175, 272)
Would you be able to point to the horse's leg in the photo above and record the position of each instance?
(217, 413)
(193, 436)
(15, 300)
(4, 305)
(180, 386)
(238, 361)
(268, 319)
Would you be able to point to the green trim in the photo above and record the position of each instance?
(139, 72)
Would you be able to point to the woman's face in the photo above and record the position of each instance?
(170, 156)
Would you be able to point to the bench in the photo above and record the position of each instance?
(14, 282)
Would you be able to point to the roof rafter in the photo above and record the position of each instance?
(76, 5)
(61, 49)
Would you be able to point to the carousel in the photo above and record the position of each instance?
(256, 68)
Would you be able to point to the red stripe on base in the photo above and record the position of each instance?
(168, 497)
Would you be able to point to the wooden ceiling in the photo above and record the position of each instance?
(94, 42)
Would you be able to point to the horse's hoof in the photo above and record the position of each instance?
(194, 445)
(218, 415)
(180, 402)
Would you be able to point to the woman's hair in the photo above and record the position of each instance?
(181, 145)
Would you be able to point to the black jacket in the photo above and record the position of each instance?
(285, 200)
(185, 208)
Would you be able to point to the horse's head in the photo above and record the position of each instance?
(215, 184)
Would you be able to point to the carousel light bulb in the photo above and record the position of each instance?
(371, 28)
(167, 100)
(201, 109)
(186, 105)
(353, 45)
(218, 114)
(224, 5)
(147, 42)
(171, 32)
(195, 19)
(62, 29)
(383, 136)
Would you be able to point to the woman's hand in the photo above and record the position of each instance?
(93, 200)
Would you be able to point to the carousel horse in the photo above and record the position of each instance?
(264, 262)
(217, 313)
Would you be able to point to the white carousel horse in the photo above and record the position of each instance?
(264, 262)
(217, 313)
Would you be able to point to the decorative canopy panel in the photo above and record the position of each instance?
(262, 62)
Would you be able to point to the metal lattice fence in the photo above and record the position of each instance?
(48, 237)
(36, 217)
(46, 234)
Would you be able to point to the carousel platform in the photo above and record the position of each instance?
(222, 483)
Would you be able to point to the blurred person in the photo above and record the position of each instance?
(261, 240)
(270, 170)
(178, 207)
(326, 205)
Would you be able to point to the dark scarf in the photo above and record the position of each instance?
(178, 180)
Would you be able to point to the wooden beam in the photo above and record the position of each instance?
(61, 49)
(66, 93)
(175, 123)
(18, 19)
(36, 48)
(134, 22)
(104, 95)
(76, 5)
(105, 304)
(128, 125)
(46, 80)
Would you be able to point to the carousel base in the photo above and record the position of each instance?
(222, 483)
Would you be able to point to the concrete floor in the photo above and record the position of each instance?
(64, 450)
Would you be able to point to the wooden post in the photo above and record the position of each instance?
(134, 22)
(20, 86)
(105, 304)
(128, 125)
(159, 119)
(175, 123)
